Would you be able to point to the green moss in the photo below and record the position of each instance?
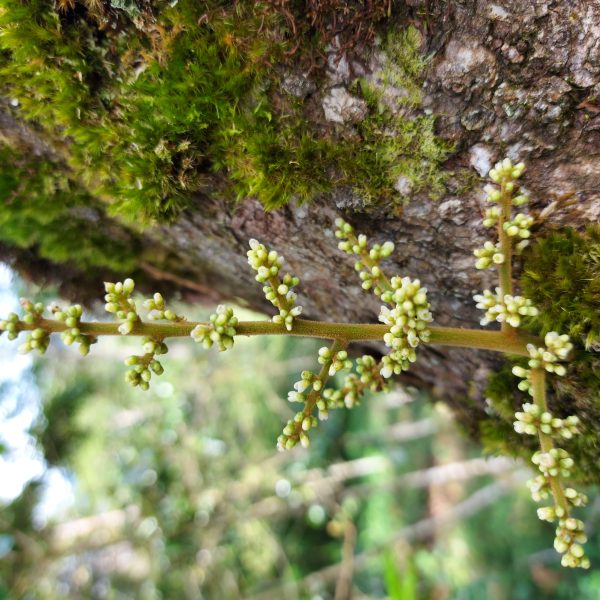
(405, 64)
(561, 275)
(277, 157)
(156, 100)
(144, 110)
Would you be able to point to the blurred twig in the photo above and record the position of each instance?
(455, 471)
(419, 531)
(343, 588)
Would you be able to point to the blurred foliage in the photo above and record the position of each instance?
(43, 209)
(179, 492)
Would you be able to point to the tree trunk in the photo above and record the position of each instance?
(504, 79)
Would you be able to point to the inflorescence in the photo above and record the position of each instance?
(119, 302)
(279, 290)
(220, 330)
(406, 315)
(554, 463)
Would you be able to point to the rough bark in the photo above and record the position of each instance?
(505, 78)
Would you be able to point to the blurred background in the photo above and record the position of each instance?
(108, 492)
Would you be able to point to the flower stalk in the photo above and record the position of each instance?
(515, 343)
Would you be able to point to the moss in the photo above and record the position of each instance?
(397, 145)
(156, 102)
(405, 64)
(143, 109)
(281, 158)
(561, 275)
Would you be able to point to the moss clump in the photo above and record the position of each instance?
(143, 104)
(156, 101)
(280, 158)
(562, 276)
(397, 143)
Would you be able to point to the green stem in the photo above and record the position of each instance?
(505, 243)
(313, 396)
(512, 342)
(538, 386)
(383, 280)
(282, 302)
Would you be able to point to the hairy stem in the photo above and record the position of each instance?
(512, 342)
(538, 385)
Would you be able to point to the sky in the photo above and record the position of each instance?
(19, 407)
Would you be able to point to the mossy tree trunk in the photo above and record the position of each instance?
(502, 78)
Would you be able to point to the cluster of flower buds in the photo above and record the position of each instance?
(119, 302)
(279, 290)
(337, 362)
(368, 264)
(557, 348)
(368, 376)
(559, 345)
(11, 326)
(491, 216)
(410, 313)
(539, 487)
(533, 420)
(143, 366)
(570, 536)
(519, 226)
(296, 429)
(158, 310)
(336, 398)
(369, 373)
(38, 339)
(408, 323)
(488, 255)
(554, 463)
(505, 172)
(557, 464)
(509, 309)
(220, 330)
(542, 357)
(71, 317)
(307, 379)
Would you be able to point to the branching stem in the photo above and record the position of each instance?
(513, 342)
